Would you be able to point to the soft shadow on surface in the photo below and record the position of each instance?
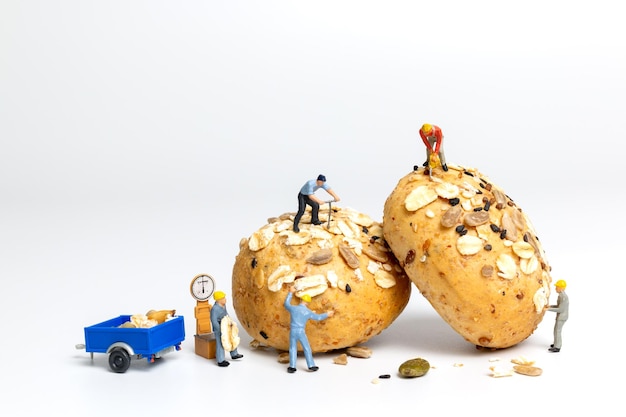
(424, 331)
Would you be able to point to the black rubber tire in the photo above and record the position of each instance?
(119, 360)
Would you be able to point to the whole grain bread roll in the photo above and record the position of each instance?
(344, 266)
(472, 253)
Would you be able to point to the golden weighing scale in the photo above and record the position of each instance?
(202, 287)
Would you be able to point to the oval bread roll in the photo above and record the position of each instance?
(471, 251)
(346, 267)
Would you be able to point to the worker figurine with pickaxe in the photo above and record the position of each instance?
(306, 196)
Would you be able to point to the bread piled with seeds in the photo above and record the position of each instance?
(472, 253)
(344, 265)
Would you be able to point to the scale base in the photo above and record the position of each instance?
(205, 345)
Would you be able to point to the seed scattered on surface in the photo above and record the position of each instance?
(341, 359)
(263, 334)
(410, 257)
(527, 370)
(502, 234)
(359, 352)
(451, 216)
(376, 253)
(494, 228)
(320, 257)
(384, 376)
(454, 201)
(254, 263)
(488, 247)
(486, 271)
(487, 205)
(476, 218)
(468, 173)
(500, 198)
(349, 256)
(413, 368)
(348, 288)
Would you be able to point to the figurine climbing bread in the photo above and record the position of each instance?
(561, 308)
(300, 314)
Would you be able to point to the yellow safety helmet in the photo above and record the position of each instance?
(426, 128)
(560, 284)
(306, 298)
(218, 295)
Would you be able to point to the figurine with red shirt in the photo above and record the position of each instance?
(433, 139)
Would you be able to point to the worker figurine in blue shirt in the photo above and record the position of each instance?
(307, 196)
(218, 312)
(562, 312)
(300, 314)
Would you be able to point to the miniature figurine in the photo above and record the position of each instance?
(218, 312)
(300, 314)
(433, 139)
(561, 308)
(307, 196)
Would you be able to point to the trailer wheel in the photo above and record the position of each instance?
(119, 360)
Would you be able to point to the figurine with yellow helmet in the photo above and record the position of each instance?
(218, 313)
(433, 140)
(561, 308)
(300, 314)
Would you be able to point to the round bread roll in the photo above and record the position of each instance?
(472, 253)
(345, 267)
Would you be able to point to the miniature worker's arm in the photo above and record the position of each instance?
(287, 303)
(557, 307)
(333, 194)
(423, 136)
(439, 137)
(316, 199)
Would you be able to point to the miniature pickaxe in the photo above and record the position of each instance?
(330, 210)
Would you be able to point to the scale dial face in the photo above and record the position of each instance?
(202, 287)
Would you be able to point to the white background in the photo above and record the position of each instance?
(141, 140)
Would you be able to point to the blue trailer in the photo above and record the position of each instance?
(123, 343)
